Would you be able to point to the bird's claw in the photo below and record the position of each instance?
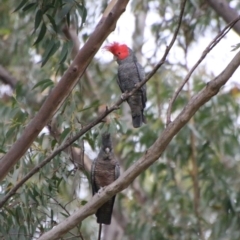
(123, 96)
(136, 85)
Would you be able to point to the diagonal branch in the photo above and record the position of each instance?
(212, 44)
(63, 88)
(150, 156)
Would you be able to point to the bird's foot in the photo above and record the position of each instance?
(136, 85)
(123, 96)
(100, 190)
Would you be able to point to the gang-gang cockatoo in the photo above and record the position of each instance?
(105, 170)
(130, 73)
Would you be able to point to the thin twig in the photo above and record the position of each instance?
(196, 187)
(212, 44)
(58, 203)
(98, 119)
(168, 48)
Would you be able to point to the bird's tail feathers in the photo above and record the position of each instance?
(137, 120)
(104, 213)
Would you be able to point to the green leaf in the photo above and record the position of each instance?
(10, 133)
(68, 19)
(32, 194)
(64, 53)
(65, 133)
(20, 117)
(64, 214)
(83, 202)
(19, 90)
(47, 7)
(38, 19)
(41, 33)
(2, 151)
(53, 143)
(51, 51)
(84, 15)
(22, 3)
(29, 6)
(43, 84)
(52, 21)
(94, 104)
(82, 12)
(64, 11)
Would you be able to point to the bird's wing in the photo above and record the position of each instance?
(118, 82)
(94, 186)
(141, 75)
(140, 70)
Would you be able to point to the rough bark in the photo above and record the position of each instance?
(150, 156)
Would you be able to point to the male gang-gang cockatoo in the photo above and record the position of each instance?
(130, 73)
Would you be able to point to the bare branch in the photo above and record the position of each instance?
(226, 12)
(63, 88)
(168, 48)
(212, 44)
(7, 78)
(150, 156)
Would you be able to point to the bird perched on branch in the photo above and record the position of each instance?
(105, 170)
(130, 73)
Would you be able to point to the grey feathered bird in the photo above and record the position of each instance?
(130, 73)
(105, 170)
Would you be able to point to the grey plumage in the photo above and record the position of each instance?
(130, 73)
(104, 171)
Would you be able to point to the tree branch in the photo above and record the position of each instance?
(63, 88)
(150, 156)
(168, 48)
(226, 12)
(7, 78)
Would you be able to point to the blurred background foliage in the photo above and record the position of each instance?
(191, 192)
